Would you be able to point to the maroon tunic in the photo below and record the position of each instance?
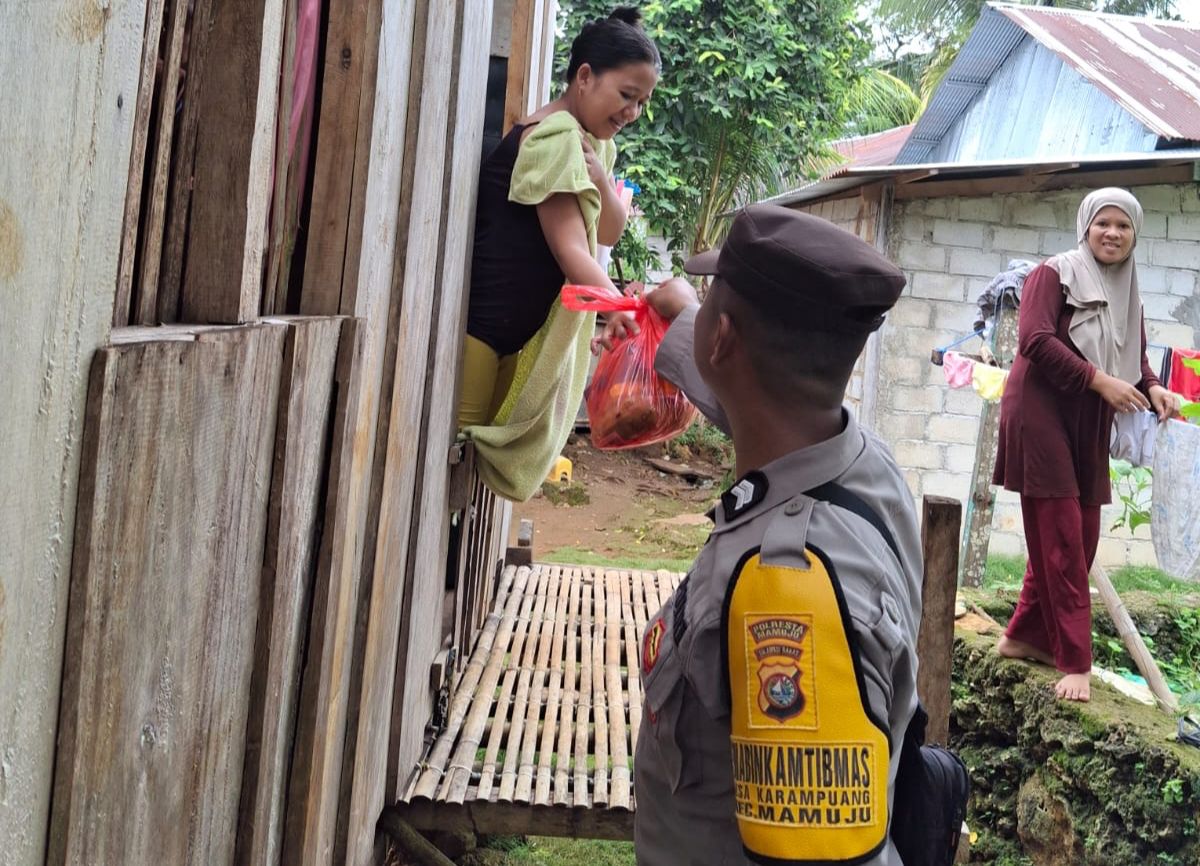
(1054, 430)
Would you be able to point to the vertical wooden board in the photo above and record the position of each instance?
(516, 91)
(369, 739)
(164, 592)
(321, 716)
(289, 564)
(137, 163)
(425, 578)
(283, 194)
(70, 72)
(347, 94)
(163, 129)
(941, 521)
(235, 143)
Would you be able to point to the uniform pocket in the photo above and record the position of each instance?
(665, 688)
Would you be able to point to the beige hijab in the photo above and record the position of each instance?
(1107, 323)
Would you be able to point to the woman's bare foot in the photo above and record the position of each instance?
(1016, 649)
(1074, 687)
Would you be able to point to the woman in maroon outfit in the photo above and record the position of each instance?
(1082, 358)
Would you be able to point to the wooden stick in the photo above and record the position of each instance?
(1133, 640)
(583, 721)
(411, 842)
(523, 792)
(632, 659)
(545, 770)
(599, 698)
(512, 754)
(566, 728)
(940, 527)
(615, 693)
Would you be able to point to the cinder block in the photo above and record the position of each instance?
(939, 483)
(986, 210)
(975, 263)
(963, 429)
(1169, 333)
(1154, 225)
(905, 398)
(911, 312)
(1006, 544)
(1006, 517)
(955, 317)
(1183, 227)
(908, 369)
(960, 458)
(1014, 240)
(921, 257)
(1058, 242)
(1034, 213)
(1141, 552)
(1190, 199)
(1181, 283)
(958, 234)
(913, 229)
(1161, 197)
(963, 401)
(916, 454)
(894, 426)
(913, 478)
(944, 287)
(1160, 307)
(1152, 279)
(1141, 253)
(936, 207)
(1112, 553)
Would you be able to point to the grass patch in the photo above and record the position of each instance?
(702, 441)
(1006, 573)
(575, 556)
(573, 494)
(547, 851)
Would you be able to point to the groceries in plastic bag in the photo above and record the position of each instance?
(628, 404)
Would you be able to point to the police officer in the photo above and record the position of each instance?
(781, 675)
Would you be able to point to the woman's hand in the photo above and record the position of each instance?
(1166, 404)
(617, 326)
(595, 168)
(1118, 393)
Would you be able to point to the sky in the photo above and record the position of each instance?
(1188, 10)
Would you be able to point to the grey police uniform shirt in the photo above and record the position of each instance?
(682, 765)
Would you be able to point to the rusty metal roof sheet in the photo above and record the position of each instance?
(1150, 68)
(880, 148)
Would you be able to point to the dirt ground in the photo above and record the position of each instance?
(620, 509)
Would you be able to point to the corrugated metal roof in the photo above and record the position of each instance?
(1150, 67)
(991, 41)
(880, 148)
(852, 177)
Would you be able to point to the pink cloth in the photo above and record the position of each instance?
(958, 369)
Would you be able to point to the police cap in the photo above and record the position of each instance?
(805, 268)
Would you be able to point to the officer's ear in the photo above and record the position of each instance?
(725, 340)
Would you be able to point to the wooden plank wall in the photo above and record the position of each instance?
(70, 74)
(306, 395)
(164, 594)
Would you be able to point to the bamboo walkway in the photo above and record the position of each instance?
(542, 721)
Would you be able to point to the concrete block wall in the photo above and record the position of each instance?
(950, 248)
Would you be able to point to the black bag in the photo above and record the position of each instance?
(929, 804)
(930, 800)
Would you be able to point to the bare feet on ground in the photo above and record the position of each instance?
(1015, 649)
(1074, 687)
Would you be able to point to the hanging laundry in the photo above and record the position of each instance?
(1005, 287)
(989, 382)
(1132, 437)
(1184, 380)
(1175, 504)
(958, 369)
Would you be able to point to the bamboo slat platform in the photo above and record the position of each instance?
(542, 721)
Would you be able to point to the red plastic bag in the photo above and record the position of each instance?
(628, 404)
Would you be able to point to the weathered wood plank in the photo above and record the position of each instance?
(519, 61)
(146, 298)
(429, 525)
(283, 191)
(485, 817)
(343, 153)
(321, 717)
(235, 144)
(170, 529)
(941, 523)
(137, 163)
(289, 565)
(70, 72)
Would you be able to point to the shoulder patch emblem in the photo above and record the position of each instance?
(652, 644)
(780, 647)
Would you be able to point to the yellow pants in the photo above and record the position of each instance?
(486, 378)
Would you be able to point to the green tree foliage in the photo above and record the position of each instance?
(750, 89)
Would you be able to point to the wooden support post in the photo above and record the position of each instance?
(519, 61)
(983, 497)
(1133, 640)
(941, 520)
(522, 554)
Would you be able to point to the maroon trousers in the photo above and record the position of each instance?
(1054, 612)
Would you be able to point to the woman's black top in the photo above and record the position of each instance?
(514, 275)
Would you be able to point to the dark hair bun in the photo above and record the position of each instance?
(631, 15)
